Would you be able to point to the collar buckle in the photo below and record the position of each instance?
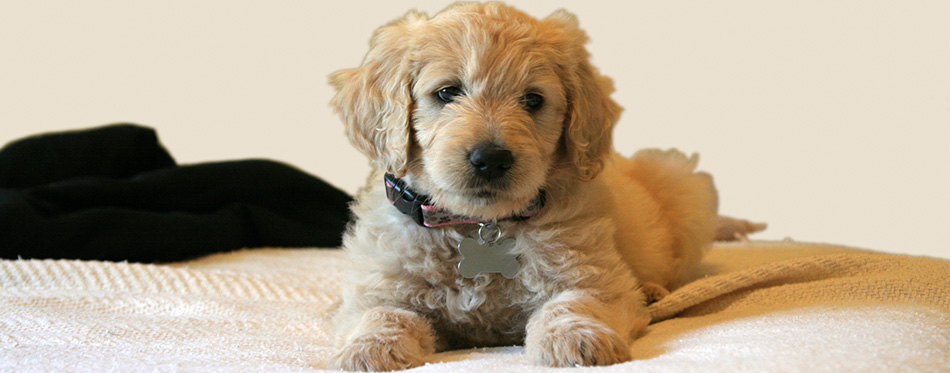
(405, 200)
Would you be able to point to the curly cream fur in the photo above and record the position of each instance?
(610, 224)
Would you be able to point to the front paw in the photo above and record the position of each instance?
(378, 354)
(578, 342)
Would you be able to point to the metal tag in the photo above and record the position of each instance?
(481, 254)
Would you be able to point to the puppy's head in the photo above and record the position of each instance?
(479, 106)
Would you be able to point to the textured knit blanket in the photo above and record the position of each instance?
(754, 307)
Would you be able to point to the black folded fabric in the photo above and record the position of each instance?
(119, 150)
(127, 200)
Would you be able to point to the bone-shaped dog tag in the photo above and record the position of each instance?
(487, 256)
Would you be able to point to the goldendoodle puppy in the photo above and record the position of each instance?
(499, 214)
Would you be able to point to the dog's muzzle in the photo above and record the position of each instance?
(490, 162)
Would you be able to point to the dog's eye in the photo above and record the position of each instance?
(532, 101)
(448, 94)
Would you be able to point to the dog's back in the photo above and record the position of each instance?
(665, 213)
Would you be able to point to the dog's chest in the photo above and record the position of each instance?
(488, 309)
(484, 311)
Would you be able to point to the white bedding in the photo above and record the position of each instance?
(756, 306)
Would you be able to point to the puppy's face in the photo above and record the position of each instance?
(477, 106)
(489, 113)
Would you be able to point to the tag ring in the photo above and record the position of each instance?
(486, 228)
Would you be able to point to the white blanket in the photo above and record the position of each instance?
(756, 307)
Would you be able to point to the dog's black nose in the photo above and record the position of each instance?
(490, 161)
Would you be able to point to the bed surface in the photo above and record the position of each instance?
(755, 306)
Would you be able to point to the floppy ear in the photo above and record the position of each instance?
(591, 113)
(375, 99)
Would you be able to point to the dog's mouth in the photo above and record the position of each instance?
(494, 200)
(458, 187)
(484, 194)
(484, 202)
(485, 191)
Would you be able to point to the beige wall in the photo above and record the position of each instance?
(830, 120)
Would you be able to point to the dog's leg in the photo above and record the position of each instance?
(577, 329)
(386, 339)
